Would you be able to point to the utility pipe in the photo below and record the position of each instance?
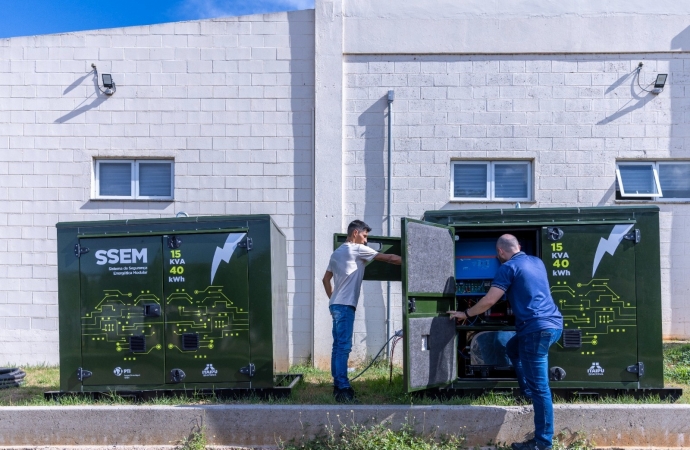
(391, 98)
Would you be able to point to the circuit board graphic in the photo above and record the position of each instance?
(595, 309)
(209, 313)
(119, 315)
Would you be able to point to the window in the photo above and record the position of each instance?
(653, 179)
(491, 180)
(146, 179)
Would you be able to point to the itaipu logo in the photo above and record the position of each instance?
(596, 369)
(118, 371)
(121, 256)
(209, 371)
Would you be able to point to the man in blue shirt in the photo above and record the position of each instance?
(538, 324)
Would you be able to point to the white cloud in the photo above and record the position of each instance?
(201, 9)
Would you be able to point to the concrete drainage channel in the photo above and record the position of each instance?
(265, 425)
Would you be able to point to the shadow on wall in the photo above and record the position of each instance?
(100, 97)
(373, 120)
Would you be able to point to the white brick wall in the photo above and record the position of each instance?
(229, 99)
(572, 115)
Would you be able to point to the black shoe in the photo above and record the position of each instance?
(346, 395)
(528, 445)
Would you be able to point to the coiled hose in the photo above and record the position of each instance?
(11, 377)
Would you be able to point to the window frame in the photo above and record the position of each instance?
(134, 180)
(491, 181)
(672, 199)
(655, 172)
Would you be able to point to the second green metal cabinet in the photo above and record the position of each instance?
(603, 265)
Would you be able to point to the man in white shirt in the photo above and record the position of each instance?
(346, 268)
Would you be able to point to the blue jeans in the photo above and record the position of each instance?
(343, 326)
(529, 354)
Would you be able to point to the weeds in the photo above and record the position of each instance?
(572, 441)
(195, 441)
(377, 437)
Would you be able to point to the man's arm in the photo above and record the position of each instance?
(390, 259)
(327, 283)
(482, 305)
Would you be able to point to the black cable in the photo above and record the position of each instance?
(11, 377)
(397, 334)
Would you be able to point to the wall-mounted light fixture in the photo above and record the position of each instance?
(659, 83)
(108, 83)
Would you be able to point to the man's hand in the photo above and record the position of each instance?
(460, 315)
(390, 259)
(327, 283)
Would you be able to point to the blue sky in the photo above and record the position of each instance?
(30, 17)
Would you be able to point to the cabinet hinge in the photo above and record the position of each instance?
(411, 306)
(248, 244)
(83, 374)
(248, 370)
(634, 236)
(79, 250)
(637, 368)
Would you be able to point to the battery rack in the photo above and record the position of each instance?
(476, 265)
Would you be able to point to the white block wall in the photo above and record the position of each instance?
(573, 116)
(229, 99)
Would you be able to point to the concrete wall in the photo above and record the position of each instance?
(548, 81)
(231, 100)
(573, 116)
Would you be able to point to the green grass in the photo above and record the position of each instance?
(372, 388)
(677, 368)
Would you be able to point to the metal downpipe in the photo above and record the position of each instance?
(391, 98)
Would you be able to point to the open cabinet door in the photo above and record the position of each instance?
(377, 270)
(428, 276)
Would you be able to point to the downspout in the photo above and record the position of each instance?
(391, 97)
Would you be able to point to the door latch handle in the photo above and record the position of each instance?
(152, 310)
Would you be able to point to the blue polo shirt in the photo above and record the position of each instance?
(525, 282)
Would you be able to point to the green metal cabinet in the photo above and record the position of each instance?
(167, 304)
(603, 265)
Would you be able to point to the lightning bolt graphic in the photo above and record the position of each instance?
(225, 253)
(610, 245)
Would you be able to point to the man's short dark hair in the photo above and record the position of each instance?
(359, 226)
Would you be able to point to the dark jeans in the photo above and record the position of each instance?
(343, 326)
(529, 354)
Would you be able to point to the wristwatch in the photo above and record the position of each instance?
(467, 314)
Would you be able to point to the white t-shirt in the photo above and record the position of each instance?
(347, 266)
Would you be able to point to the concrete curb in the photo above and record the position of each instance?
(266, 425)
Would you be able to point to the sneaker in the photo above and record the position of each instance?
(528, 445)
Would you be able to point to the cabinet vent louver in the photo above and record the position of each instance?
(190, 341)
(137, 344)
(572, 338)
